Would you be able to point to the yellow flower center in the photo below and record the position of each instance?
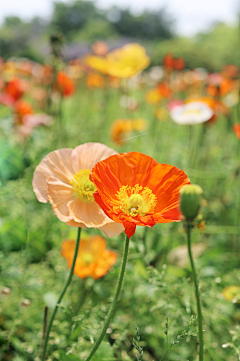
(87, 258)
(82, 186)
(136, 200)
(191, 111)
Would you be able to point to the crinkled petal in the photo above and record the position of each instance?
(59, 195)
(88, 213)
(85, 156)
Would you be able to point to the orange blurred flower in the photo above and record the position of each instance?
(230, 71)
(93, 258)
(120, 129)
(164, 90)
(179, 63)
(212, 90)
(22, 108)
(95, 81)
(226, 86)
(62, 178)
(236, 129)
(134, 189)
(168, 61)
(15, 88)
(65, 84)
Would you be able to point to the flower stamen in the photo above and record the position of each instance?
(136, 200)
(82, 186)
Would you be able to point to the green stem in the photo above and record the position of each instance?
(114, 302)
(61, 296)
(199, 310)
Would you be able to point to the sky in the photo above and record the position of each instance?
(191, 16)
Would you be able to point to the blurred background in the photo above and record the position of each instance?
(205, 33)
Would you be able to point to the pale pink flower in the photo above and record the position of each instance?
(62, 178)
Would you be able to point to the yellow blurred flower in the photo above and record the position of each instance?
(162, 113)
(139, 124)
(231, 293)
(124, 62)
(153, 96)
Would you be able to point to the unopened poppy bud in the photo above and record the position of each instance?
(190, 200)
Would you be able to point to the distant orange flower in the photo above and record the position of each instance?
(179, 63)
(212, 90)
(164, 90)
(95, 81)
(168, 61)
(226, 86)
(93, 258)
(230, 71)
(134, 189)
(15, 88)
(120, 129)
(22, 108)
(65, 84)
(236, 129)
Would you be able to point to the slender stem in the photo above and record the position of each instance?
(199, 310)
(114, 302)
(69, 279)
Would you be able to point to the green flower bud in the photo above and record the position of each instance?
(190, 200)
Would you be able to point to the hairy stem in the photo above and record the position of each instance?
(114, 302)
(69, 279)
(197, 293)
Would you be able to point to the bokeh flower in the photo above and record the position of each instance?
(191, 113)
(93, 259)
(134, 189)
(65, 84)
(124, 62)
(21, 109)
(236, 129)
(15, 88)
(232, 293)
(62, 178)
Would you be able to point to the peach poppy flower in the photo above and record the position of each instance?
(236, 129)
(93, 258)
(134, 189)
(62, 178)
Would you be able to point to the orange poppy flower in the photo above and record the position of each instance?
(164, 90)
(93, 258)
(134, 189)
(120, 129)
(236, 129)
(62, 178)
(65, 84)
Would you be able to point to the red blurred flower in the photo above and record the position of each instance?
(236, 129)
(168, 61)
(65, 84)
(179, 63)
(134, 189)
(15, 88)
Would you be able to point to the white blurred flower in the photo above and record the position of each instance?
(191, 113)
